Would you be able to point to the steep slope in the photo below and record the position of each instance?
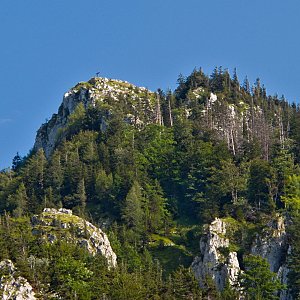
(52, 262)
(155, 168)
(138, 106)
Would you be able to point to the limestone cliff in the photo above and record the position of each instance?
(219, 262)
(139, 105)
(272, 244)
(73, 229)
(12, 286)
(212, 261)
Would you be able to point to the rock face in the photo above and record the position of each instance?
(14, 287)
(220, 264)
(272, 244)
(141, 107)
(213, 262)
(282, 274)
(73, 229)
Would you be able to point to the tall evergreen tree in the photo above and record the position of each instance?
(261, 185)
(19, 201)
(132, 212)
(258, 282)
(81, 194)
(17, 162)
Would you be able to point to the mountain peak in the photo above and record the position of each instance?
(137, 104)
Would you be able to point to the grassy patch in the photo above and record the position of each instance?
(119, 84)
(177, 248)
(158, 240)
(85, 85)
(65, 218)
(171, 257)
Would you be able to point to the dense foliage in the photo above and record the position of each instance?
(154, 186)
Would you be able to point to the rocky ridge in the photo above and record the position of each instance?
(51, 223)
(141, 107)
(233, 122)
(272, 244)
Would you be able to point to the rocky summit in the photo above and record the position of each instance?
(141, 108)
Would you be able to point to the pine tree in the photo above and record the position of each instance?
(132, 212)
(261, 185)
(257, 281)
(216, 80)
(227, 181)
(81, 194)
(291, 197)
(294, 258)
(185, 285)
(235, 78)
(54, 176)
(17, 162)
(19, 201)
(246, 85)
(157, 211)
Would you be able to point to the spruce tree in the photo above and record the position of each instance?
(132, 212)
(81, 194)
(19, 201)
(257, 281)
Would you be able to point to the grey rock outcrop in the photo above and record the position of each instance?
(212, 261)
(13, 287)
(282, 275)
(75, 230)
(140, 103)
(272, 244)
(221, 265)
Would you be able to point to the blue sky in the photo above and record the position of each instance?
(49, 46)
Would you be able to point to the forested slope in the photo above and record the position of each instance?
(152, 168)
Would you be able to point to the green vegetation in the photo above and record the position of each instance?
(86, 85)
(185, 159)
(258, 282)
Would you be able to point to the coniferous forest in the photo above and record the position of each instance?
(153, 169)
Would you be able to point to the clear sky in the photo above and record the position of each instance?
(49, 46)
